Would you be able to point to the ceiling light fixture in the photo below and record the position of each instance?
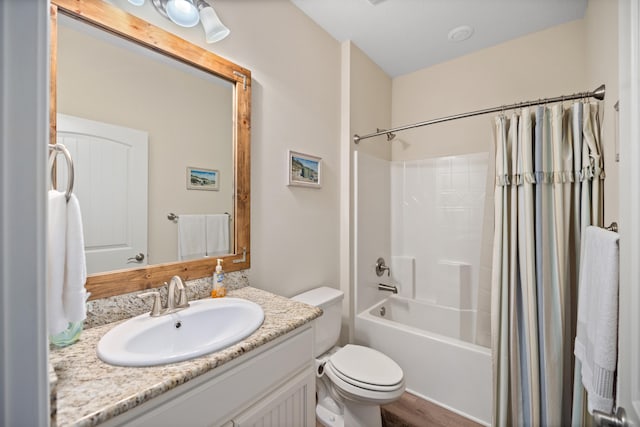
(181, 12)
(187, 13)
(460, 33)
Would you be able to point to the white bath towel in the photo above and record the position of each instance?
(217, 234)
(597, 329)
(66, 266)
(191, 237)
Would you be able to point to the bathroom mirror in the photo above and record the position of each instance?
(191, 108)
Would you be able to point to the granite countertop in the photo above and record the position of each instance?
(89, 391)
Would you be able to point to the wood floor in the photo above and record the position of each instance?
(412, 411)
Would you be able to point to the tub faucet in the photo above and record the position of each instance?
(381, 267)
(385, 287)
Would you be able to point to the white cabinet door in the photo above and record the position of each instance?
(292, 405)
(111, 180)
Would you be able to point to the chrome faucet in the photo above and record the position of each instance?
(385, 287)
(176, 282)
(381, 267)
(172, 306)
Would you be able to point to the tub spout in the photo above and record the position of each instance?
(385, 287)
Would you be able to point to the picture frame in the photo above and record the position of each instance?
(203, 179)
(304, 170)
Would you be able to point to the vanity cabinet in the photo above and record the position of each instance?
(271, 385)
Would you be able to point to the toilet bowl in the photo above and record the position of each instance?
(352, 381)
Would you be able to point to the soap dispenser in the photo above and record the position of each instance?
(219, 289)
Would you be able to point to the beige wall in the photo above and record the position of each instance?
(545, 64)
(188, 118)
(295, 105)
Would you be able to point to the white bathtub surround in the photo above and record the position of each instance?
(454, 285)
(545, 195)
(403, 275)
(418, 336)
(437, 217)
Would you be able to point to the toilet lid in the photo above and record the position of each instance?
(366, 365)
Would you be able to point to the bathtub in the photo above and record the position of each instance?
(444, 370)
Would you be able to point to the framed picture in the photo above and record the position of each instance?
(203, 179)
(304, 170)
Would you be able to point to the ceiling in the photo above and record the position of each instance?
(403, 36)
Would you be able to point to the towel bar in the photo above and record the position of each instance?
(173, 217)
(55, 149)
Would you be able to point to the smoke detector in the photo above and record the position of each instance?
(375, 2)
(460, 33)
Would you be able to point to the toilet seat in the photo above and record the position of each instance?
(364, 374)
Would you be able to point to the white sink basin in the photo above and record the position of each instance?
(208, 325)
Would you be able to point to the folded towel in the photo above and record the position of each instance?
(191, 237)
(597, 329)
(217, 234)
(66, 266)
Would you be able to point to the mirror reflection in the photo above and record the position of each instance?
(150, 136)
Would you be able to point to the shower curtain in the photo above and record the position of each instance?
(549, 187)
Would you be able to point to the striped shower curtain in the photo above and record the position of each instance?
(549, 187)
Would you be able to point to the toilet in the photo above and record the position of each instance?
(353, 381)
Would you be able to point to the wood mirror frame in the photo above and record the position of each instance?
(121, 23)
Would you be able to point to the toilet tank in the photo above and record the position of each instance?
(327, 326)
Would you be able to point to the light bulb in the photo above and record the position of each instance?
(183, 12)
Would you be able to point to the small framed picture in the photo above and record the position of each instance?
(203, 179)
(304, 170)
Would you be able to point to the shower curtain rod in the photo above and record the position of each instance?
(598, 94)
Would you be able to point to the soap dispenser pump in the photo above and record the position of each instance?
(219, 289)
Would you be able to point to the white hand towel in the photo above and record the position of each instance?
(74, 293)
(191, 237)
(217, 234)
(597, 329)
(56, 253)
(66, 266)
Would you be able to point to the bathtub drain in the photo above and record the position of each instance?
(383, 311)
